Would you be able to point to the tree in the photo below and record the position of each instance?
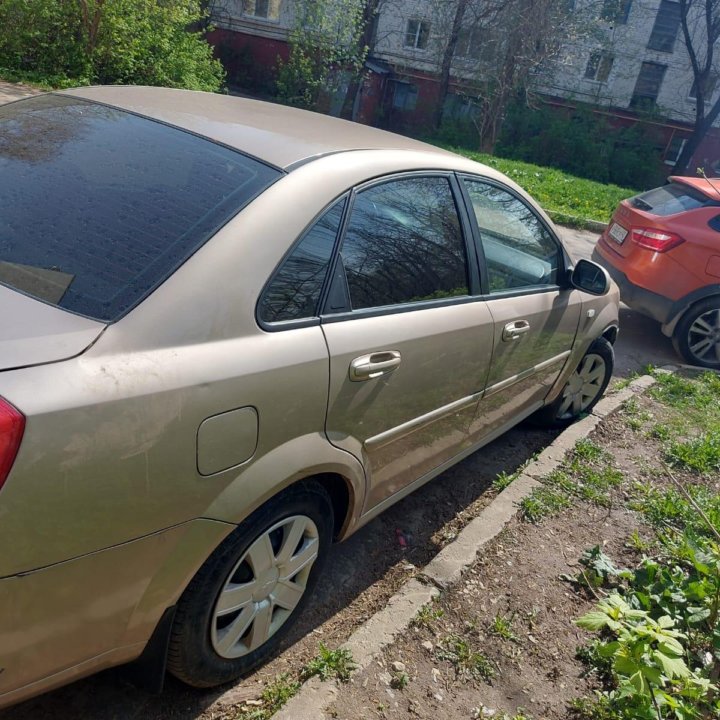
(325, 42)
(700, 23)
(517, 38)
(70, 42)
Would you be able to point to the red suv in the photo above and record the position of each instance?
(663, 250)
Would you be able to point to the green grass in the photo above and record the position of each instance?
(330, 664)
(427, 616)
(567, 199)
(40, 81)
(502, 627)
(468, 663)
(273, 697)
(587, 474)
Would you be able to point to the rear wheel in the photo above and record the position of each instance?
(697, 335)
(242, 601)
(584, 387)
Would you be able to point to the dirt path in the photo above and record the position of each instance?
(515, 589)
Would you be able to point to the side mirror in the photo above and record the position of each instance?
(590, 278)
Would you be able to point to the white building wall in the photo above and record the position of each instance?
(628, 44)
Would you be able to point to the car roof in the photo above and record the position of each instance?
(279, 135)
(705, 186)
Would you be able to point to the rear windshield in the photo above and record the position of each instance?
(670, 199)
(99, 206)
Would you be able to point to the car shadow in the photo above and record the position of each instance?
(361, 574)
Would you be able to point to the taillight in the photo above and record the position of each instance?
(656, 240)
(12, 426)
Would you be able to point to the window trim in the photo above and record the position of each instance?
(473, 279)
(420, 21)
(643, 100)
(280, 325)
(261, 18)
(602, 57)
(564, 260)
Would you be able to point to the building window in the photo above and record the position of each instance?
(599, 66)
(469, 43)
(647, 86)
(710, 85)
(616, 11)
(666, 27)
(674, 149)
(417, 34)
(404, 96)
(267, 9)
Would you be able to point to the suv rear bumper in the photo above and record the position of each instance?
(643, 301)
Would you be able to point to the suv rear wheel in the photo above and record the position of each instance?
(697, 335)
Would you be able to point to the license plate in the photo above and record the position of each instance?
(618, 233)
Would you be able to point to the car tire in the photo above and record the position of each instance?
(240, 604)
(697, 335)
(583, 389)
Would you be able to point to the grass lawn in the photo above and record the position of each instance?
(567, 199)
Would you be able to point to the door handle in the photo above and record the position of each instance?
(367, 367)
(513, 331)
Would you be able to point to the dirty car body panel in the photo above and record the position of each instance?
(173, 391)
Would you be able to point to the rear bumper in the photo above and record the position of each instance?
(643, 301)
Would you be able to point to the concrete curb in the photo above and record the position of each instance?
(448, 566)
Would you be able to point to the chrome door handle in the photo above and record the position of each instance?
(367, 367)
(513, 331)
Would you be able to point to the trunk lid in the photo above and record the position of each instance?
(33, 332)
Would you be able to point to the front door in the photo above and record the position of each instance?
(535, 314)
(409, 346)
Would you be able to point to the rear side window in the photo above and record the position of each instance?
(670, 199)
(99, 206)
(404, 244)
(294, 291)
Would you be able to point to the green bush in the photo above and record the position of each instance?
(72, 42)
(583, 144)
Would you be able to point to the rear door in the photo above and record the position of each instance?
(409, 344)
(535, 313)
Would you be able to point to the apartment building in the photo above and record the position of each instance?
(634, 61)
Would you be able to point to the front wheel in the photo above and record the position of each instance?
(584, 387)
(242, 601)
(697, 335)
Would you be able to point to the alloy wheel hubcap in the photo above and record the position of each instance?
(704, 337)
(264, 587)
(583, 387)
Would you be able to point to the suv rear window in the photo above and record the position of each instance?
(98, 206)
(670, 199)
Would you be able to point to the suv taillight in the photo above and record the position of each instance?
(656, 240)
(12, 426)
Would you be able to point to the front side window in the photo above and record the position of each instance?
(294, 291)
(519, 251)
(99, 206)
(404, 244)
(417, 33)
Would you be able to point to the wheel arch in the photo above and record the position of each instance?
(681, 306)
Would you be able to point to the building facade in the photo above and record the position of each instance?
(633, 66)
